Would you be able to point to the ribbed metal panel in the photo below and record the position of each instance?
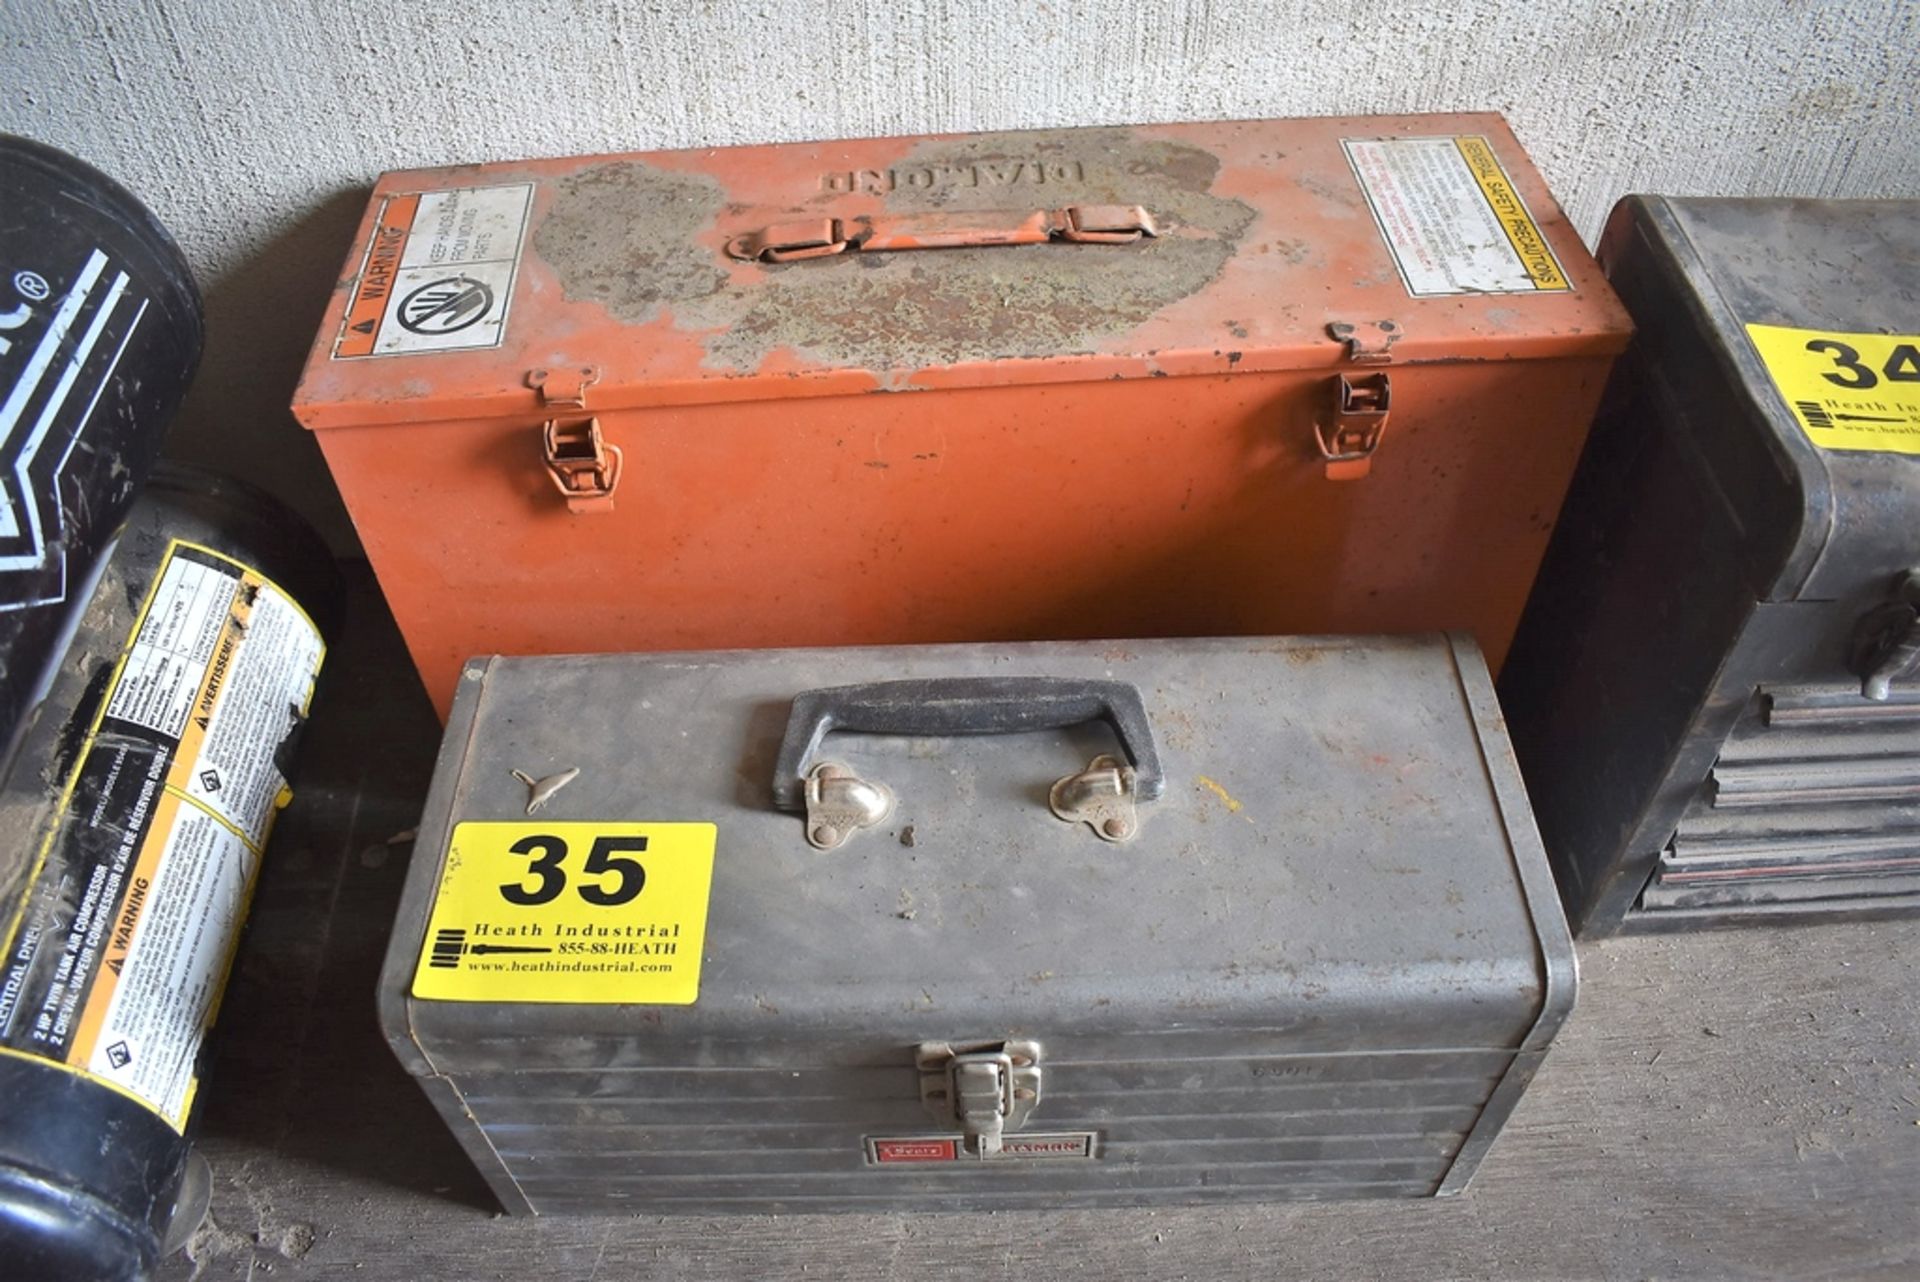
(756, 1139)
(1815, 800)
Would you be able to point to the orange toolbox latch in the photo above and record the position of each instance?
(585, 469)
(1350, 432)
(1351, 436)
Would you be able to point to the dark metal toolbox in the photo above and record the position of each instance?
(1713, 690)
(970, 927)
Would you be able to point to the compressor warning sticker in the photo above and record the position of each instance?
(610, 912)
(439, 272)
(1452, 219)
(1849, 391)
(119, 953)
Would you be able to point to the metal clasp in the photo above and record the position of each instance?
(1103, 796)
(1886, 642)
(1367, 342)
(585, 469)
(985, 1090)
(563, 389)
(1359, 420)
(841, 803)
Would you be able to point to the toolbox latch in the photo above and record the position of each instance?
(1367, 342)
(563, 389)
(1886, 643)
(585, 469)
(985, 1090)
(1358, 421)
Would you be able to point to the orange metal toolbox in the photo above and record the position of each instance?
(1251, 377)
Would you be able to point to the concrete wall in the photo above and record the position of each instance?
(252, 126)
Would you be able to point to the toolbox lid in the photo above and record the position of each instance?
(1784, 338)
(687, 277)
(1327, 845)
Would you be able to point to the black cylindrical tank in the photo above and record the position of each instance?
(133, 819)
(100, 329)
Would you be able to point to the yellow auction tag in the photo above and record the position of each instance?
(1850, 391)
(607, 912)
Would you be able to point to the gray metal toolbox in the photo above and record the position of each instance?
(1715, 688)
(966, 927)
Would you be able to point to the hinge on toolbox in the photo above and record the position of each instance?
(792, 242)
(585, 469)
(1105, 224)
(985, 1089)
(840, 803)
(1359, 420)
(1368, 342)
(563, 388)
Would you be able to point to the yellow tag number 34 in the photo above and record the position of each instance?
(1902, 365)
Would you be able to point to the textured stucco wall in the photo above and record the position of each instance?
(252, 125)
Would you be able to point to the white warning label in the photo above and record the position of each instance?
(439, 272)
(122, 945)
(1452, 219)
(183, 628)
(257, 694)
(170, 975)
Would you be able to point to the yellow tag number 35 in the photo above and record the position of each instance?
(607, 855)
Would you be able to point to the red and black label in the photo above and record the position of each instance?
(893, 1150)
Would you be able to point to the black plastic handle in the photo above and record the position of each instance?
(964, 705)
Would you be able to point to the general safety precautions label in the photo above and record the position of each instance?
(1850, 391)
(609, 912)
(117, 959)
(1452, 218)
(439, 271)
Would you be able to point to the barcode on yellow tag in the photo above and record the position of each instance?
(1849, 391)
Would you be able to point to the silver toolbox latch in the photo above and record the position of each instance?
(985, 1090)
(1886, 643)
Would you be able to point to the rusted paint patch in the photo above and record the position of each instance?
(622, 235)
(947, 306)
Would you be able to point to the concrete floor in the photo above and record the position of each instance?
(1736, 1104)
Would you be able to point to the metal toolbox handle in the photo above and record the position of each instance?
(964, 705)
(891, 233)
